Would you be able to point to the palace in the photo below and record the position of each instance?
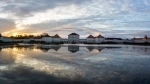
(142, 40)
(73, 38)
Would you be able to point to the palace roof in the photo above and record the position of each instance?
(73, 34)
(90, 36)
(100, 36)
(56, 36)
(145, 38)
(141, 39)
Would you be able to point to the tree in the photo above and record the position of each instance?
(0, 35)
(44, 34)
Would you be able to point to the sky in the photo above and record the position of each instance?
(111, 18)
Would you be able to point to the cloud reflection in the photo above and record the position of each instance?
(91, 64)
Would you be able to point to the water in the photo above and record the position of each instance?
(74, 64)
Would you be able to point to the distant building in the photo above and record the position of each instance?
(99, 39)
(73, 38)
(116, 40)
(6, 39)
(56, 39)
(141, 40)
(47, 39)
(90, 39)
(38, 39)
(82, 40)
(65, 40)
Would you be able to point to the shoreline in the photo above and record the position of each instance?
(143, 44)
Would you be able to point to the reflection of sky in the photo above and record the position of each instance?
(108, 64)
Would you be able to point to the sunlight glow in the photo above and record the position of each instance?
(15, 34)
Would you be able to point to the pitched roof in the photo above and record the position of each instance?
(100, 36)
(56, 36)
(145, 38)
(137, 38)
(90, 36)
(73, 34)
(140, 39)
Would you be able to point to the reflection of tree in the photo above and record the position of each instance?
(6, 57)
(73, 48)
(25, 48)
(0, 49)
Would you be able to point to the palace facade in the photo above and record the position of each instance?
(74, 38)
(142, 40)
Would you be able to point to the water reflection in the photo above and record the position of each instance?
(90, 48)
(46, 48)
(73, 48)
(0, 49)
(74, 64)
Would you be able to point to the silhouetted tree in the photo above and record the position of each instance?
(0, 35)
(44, 34)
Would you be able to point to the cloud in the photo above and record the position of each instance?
(137, 25)
(126, 33)
(37, 16)
(28, 7)
(6, 25)
(23, 74)
(62, 30)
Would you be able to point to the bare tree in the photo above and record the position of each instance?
(0, 35)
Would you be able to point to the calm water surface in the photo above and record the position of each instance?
(83, 64)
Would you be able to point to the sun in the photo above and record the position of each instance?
(15, 34)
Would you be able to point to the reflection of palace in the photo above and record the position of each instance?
(90, 48)
(100, 49)
(140, 49)
(73, 48)
(46, 48)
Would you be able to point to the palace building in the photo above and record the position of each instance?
(73, 38)
(141, 40)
